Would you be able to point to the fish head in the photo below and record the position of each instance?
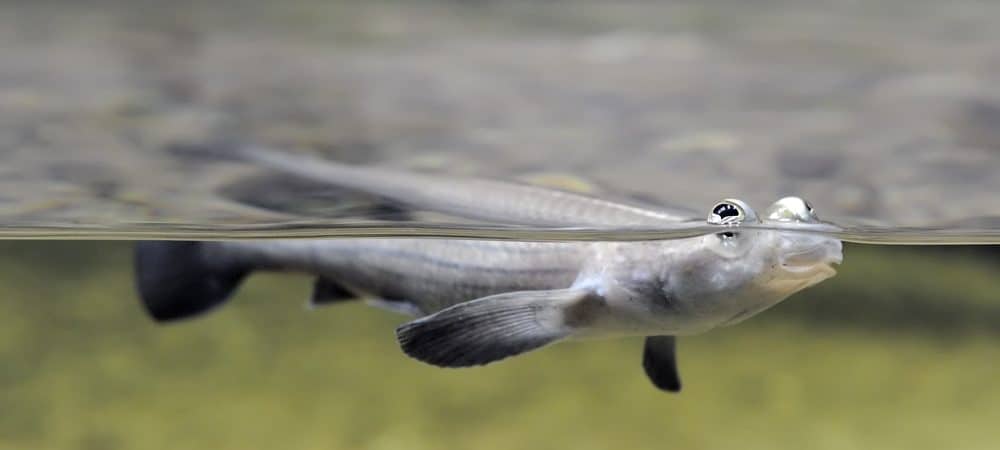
(749, 268)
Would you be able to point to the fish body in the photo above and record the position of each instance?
(649, 287)
(425, 274)
(482, 301)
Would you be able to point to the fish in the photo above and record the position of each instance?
(475, 302)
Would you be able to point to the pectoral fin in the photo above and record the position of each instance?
(492, 328)
(659, 358)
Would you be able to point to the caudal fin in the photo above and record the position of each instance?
(177, 280)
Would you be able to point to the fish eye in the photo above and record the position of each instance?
(791, 209)
(727, 235)
(731, 212)
(727, 210)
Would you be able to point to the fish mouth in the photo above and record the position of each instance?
(814, 260)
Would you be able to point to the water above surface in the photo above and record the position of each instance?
(890, 130)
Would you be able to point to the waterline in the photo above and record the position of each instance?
(326, 230)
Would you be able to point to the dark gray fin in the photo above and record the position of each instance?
(492, 328)
(176, 280)
(326, 291)
(659, 358)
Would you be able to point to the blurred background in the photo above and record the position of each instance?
(883, 112)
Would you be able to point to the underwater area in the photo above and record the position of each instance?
(884, 115)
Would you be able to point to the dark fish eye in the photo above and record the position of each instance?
(726, 213)
(731, 212)
(726, 235)
(725, 210)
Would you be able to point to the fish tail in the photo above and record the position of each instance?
(179, 279)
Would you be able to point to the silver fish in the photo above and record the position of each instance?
(483, 301)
